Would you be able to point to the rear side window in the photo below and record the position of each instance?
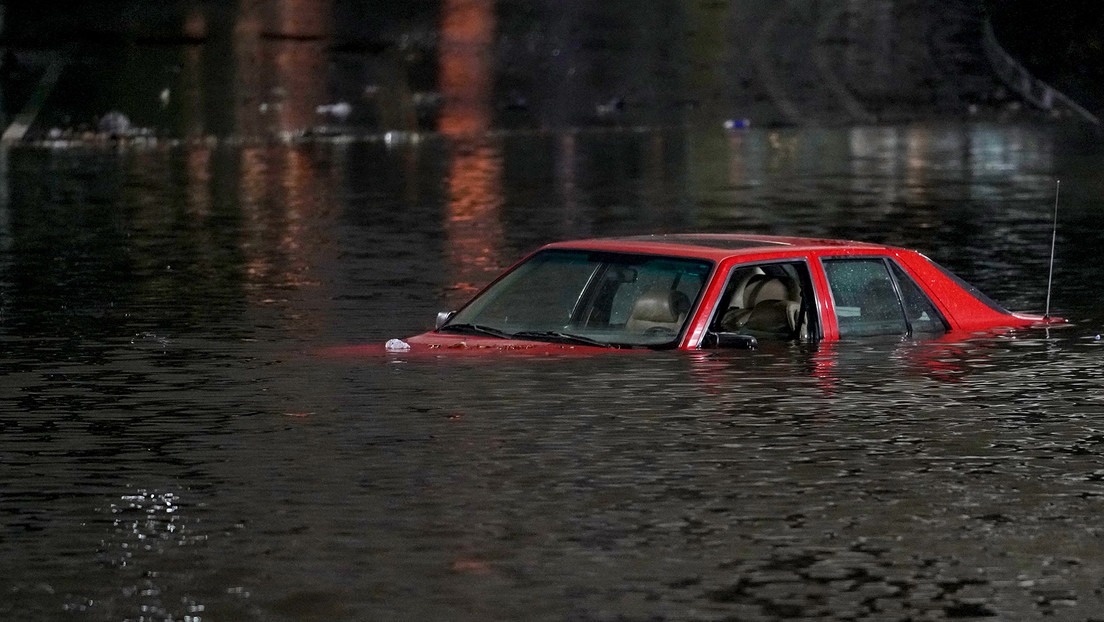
(865, 300)
(873, 296)
(920, 313)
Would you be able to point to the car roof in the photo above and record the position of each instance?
(713, 246)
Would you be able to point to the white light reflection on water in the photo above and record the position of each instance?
(146, 531)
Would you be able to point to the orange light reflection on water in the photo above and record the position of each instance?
(286, 242)
(198, 166)
(473, 226)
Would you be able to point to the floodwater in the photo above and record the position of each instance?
(173, 447)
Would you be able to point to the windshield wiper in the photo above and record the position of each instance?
(543, 335)
(562, 337)
(474, 329)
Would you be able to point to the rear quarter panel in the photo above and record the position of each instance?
(960, 308)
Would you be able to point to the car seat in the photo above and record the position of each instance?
(770, 306)
(658, 309)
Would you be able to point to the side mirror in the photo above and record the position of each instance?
(730, 340)
(443, 317)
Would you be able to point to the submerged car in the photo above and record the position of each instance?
(695, 291)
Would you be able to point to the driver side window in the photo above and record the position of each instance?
(771, 301)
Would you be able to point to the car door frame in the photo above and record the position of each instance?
(710, 307)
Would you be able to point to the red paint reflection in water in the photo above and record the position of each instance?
(823, 362)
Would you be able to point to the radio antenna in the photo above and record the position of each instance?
(1053, 240)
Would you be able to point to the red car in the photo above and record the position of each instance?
(694, 291)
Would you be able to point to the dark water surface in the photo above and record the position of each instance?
(172, 447)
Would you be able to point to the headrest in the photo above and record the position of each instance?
(762, 287)
(661, 305)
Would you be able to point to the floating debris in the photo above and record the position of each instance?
(115, 123)
(340, 111)
(396, 345)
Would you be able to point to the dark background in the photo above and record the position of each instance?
(1063, 43)
(549, 64)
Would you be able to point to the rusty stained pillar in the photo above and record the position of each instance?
(466, 78)
(281, 66)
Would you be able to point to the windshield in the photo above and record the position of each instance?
(599, 298)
